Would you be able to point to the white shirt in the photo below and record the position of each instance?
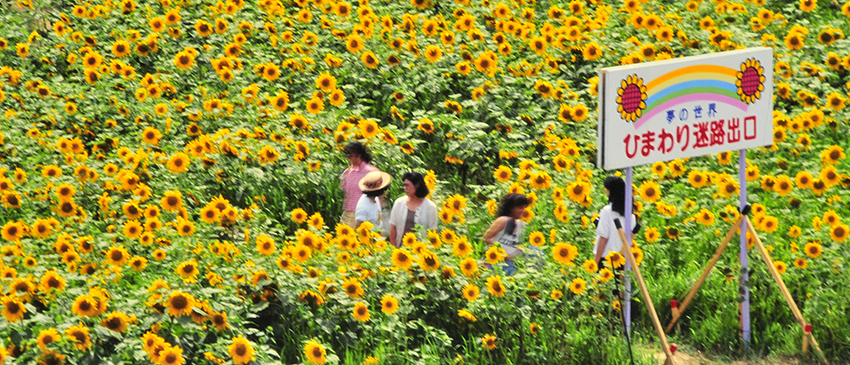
(425, 216)
(607, 229)
(368, 211)
(510, 240)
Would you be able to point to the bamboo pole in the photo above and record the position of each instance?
(651, 308)
(701, 280)
(782, 288)
(806, 342)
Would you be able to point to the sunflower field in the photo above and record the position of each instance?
(169, 177)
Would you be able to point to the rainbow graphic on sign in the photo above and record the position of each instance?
(639, 102)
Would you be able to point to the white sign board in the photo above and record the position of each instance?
(685, 107)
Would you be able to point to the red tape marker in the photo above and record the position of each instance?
(674, 304)
(673, 348)
(807, 328)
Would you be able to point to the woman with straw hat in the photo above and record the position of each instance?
(368, 209)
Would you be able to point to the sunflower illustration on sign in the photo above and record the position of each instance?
(750, 80)
(631, 99)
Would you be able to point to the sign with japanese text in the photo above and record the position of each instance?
(685, 107)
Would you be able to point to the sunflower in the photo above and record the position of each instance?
(705, 217)
(577, 286)
(780, 266)
(502, 173)
(605, 274)
(369, 59)
(204, 28)
(470, 292)
(489, 342)
(467, 315)
(209, 214)
(769, 224)
(265, 245)
(832, 154)
(564, 253)
(495, 286)
(590, 266)
(337, 97)
(172, 201)
(454, 106)
(66, 209)
(184, 60)
(353, 288)
(614, 259)
(429, 261)
(433, 53)
(51, 281)
(138, 263)
(361, 312)
(13, 231)
(389, 305)
(468, 266)
(300, 216)
(301, 253)
(46, 337)
(830, 176)
(794, 40)
(173, 355)
(369, 128)
(540, 180)
(116, 322)
(184, 227)
(783, 185)
(117, 256)
(241, 351)
(556, 294)
(402, 259)
(537, 238)
(13, 309)
(178, 162)
(85, 306)
(650, 191)
(813, 250)
(839, 232)
(495, 254)
(314, 351)
(180, 303)
(79, 335)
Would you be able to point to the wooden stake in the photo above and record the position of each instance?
(645, 293)
(782, 288)
(705, 272)
(674, 307)
(807, 331)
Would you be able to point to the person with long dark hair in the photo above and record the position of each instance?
(359, 160)
(412, 209)
(507, 229)
(607, 237)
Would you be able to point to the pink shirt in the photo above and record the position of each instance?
(350, 184)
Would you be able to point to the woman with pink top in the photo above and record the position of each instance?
(358, 159)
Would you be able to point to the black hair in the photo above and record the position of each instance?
(511, 201)
(376, 192)
(617, 194)
(418, 181)
(358, 149)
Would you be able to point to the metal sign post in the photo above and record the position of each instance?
(744, 261)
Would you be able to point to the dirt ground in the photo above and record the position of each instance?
(693, 357)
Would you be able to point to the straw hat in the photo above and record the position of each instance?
(375, 181)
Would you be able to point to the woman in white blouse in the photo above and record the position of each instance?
(412, 209)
